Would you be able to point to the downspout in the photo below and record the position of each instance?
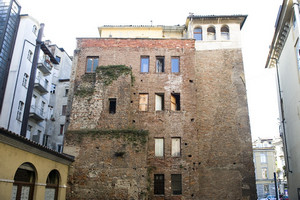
(11, 108)
(31, 81)
(282, 116)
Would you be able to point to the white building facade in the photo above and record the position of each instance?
(284, 56)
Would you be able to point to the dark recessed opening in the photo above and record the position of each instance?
(191, 81)
(112, 105)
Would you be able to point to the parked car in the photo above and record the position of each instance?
(271, 197)
(284, 198)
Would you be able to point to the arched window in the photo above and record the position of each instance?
(52, 185)
(34, 29)
(198, 33)
(211, 33)
(225, 32)
(24, 181)
(29, 55)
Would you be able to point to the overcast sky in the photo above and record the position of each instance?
(65, 20)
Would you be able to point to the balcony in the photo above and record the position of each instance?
(44, 66)
(37, 113)
(41, 85)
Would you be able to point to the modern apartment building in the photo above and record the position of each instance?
(284, 56)
(160, 112)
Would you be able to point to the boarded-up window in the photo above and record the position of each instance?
(160, 64)
(175, 102)
(159, 102)
(176, 147)
(176, 184)
(159, 147)
(159, 184)
(143, 105)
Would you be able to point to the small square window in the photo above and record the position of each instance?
(160, 64)
(175, 64)
(159, 184)
(159, 102)
(176, 184)
(143, 103)
(145, 64)
(92, 63)
(112, 105)
(159, 147)
(175, 101)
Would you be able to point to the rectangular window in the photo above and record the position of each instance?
(92, 63)
(45, 140)
(145, 64)
(176, 184)
(20, 110)
(266, 188)
(64, 110)
(66, 92)
(176, 147)
(42, 108)
(143, 104)
(112, 105)
(159, 147)
(57, 59)
(61, 131)
(160, 64)
(263, 158)
(264, 173)
(59, 148)
(53, 87)
(175, 64)
(25, 80)
(159, 102)
(175, 101)
(159, 184)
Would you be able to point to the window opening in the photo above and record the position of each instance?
(159, 184)
(52, 185)
(159, 147)
(25, 80)
(64, 110)
(45, 139)
(176, 147)
(160, 64)
(20, 110)
(34, 29)
(61, 130)
(112, 105)
(175, 64)
(29, 55)
(143, 103)
(198, 33)
(57, 59)
(145, 64)
(211, 33)
(92, 63)
(175, 101)
(159, 102)
(176, 184)
(225, 33)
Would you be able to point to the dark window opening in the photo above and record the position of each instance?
(175, 101)
(112, 105)
(160, 64)
(159, 184)
(176, 184)
(61, 131)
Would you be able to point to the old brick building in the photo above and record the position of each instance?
(160, 112)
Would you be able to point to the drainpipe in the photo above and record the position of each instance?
(17, 81)
(282, 121)
(31, 81)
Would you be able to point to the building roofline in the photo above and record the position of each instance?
(23, 143)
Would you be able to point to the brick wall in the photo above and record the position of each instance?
(215, 146)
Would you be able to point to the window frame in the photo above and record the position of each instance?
(29, 55)
(173, 152)
(112, 107)
(178, 67)
(162, 101)
(141, 104)
(225, 35)
(142, 64)
(211, 35)
(176, 178)
(25, 80)
(20, 111)
(93, 67)
(64, 110)
(158, 60)
(175, 104)
(157, 152)
(198, 33)
(159, 185)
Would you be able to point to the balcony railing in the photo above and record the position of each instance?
(37, 113)
(41, 85)
(44, 66)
